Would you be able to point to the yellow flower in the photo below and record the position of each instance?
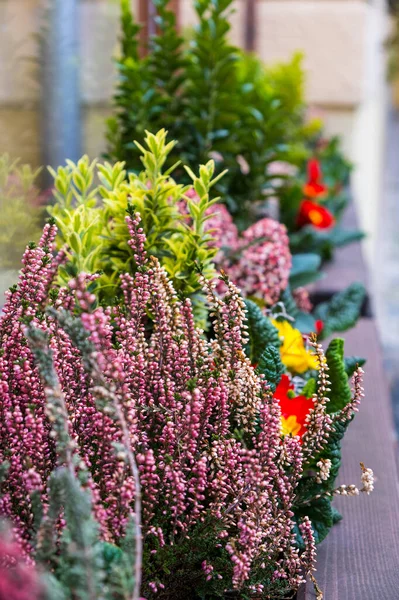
(290, 426)
(293, 352)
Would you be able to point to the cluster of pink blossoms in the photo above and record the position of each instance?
(183, 400)
(18, 581)
(258, 261)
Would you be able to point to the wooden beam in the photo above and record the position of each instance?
(146, 18)
(147, 15)
(174, 6)
(143, 21)
(250, 25)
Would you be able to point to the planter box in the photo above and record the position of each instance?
(360, 557)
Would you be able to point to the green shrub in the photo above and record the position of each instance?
(19, 210)
(217, 101)
(91, 217)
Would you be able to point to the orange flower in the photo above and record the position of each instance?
(311, 213)
(294, 409)
(314, 187)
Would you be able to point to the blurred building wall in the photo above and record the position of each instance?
(341, 41)
(22, 23)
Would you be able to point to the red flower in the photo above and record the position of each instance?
(314, 171)
(319, 325)
(311, 213)
(294, 410)
(314, 187)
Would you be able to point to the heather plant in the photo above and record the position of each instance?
(187, 231)
(259, 262)
(68, 561)
(126, 414)
(18, 581)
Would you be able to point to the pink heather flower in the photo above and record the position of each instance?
(301, 297)
(182, 398)
(264, 262)
(222, 228)
(258, 262)
(309, 556)
(18, 581)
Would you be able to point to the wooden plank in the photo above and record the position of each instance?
(250, 25)
(174, 6)
(359, 560)
(147, 18)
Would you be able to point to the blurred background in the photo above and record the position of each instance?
(57, 78)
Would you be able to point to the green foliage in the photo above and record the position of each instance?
(342, 311)
(262, 333)
(211, 101)
(148, 89)
(340, 393)
(309, 239)
(341, 237)
(289, 303)
(223, 103)
(305, 269)
(303, 321)
(20, 213)
(216, 100)
(351, 364)
(320, 512)
(91, 218)
(309, 388)
(320, 241)
(319, 509)
(270, 366)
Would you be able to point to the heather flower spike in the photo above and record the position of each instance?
(147, 421)
(258, 261)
